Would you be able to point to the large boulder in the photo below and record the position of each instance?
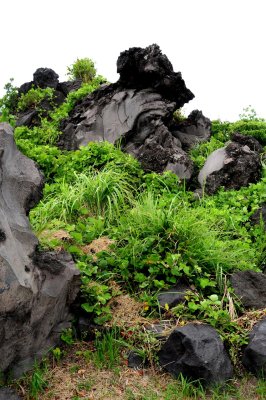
(233, 166)
(197, 352)
(250, 287)
(254, 357)
(135, 112)
(36, 289)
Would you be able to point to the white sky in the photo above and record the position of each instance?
(218, 45)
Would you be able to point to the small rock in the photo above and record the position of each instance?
(197, 352)
(135, 360)
(173, 296)
(254, 358)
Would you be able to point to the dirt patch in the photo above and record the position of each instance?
(97, 245)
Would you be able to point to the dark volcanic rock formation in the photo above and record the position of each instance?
(136, 112)
(36, 290)
(233, 166)
(250, 287)
(44, 78)
(197, 352)
(254, 358)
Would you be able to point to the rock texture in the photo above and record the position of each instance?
(8, 394)
(137, 112)
(197, 352)
(250, 287)
(254, 358)
(193, 130)
(233, 166)
(36, 289)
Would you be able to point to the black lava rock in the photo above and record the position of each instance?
(250, 287)
(254, 358)
(197, 352)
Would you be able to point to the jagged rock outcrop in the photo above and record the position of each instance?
(233, 166)
(250, 287)
(254, 357)
(197, 352)
(44, 78)
(193, 130)
(36, 289)
(137, 112)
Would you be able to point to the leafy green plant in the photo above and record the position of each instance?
(249, 114)
(34, 97)
(67, 336)
(57, 354)
(82, 68)
(8, 103)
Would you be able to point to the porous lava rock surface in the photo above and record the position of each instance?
(233, 166)
(254, 358)
(137, 112)
(36, 289)
(197, 352)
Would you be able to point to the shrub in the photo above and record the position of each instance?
(83, 68)
(34, 97)
(8, 103)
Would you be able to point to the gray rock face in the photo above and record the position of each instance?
(254, 358)
(8, 394)
(233, 166)
(250, 287)
(197, 352)
(34, 295)
(195, 129)
(135, 112)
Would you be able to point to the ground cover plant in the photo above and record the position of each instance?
(134, 234)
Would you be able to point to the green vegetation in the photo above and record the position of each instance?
(83, 68)
(34, 98)
(8, 103)
(156, 231)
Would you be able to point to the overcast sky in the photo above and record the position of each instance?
(218, 45)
